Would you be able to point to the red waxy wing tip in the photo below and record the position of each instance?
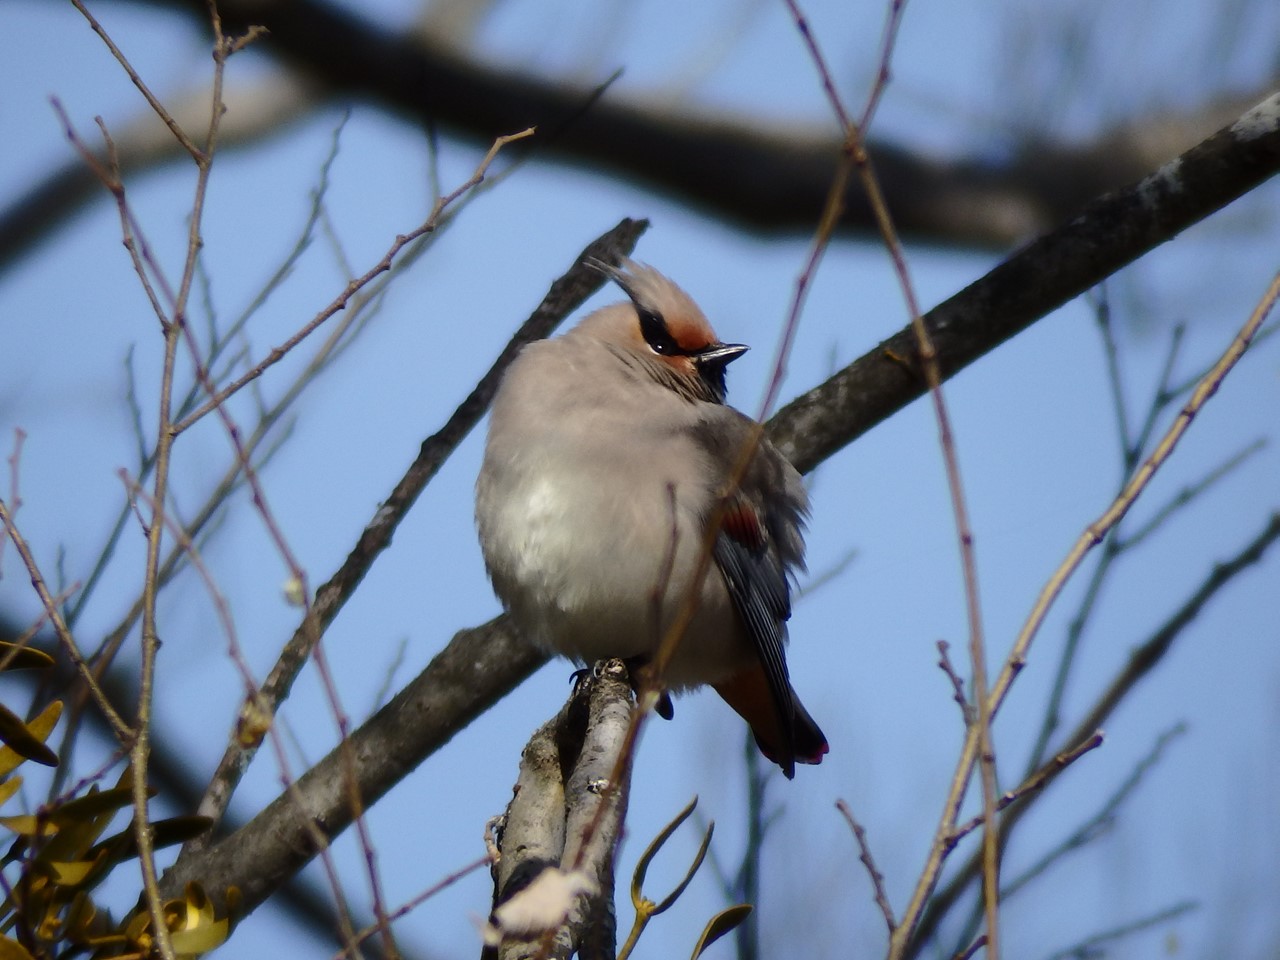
(742, 523)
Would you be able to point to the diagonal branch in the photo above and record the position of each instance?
(478, 667)
(474, 671)
(1109, 234)
(712, 161)
(1141, 662)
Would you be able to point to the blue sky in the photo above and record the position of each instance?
(1034, 428)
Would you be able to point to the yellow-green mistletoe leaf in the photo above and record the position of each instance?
(13, 950)
(22, 741)
(71, 873)
(194, 928)
(722, 923)
(197, 930)
(25, 741)
(22, 657)
(638, 898)
(81, 923)
(95, 804)
(8, 788)
(164, 833)
(193, 941)
(29, 825)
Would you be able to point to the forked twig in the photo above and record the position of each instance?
(354, 286)
(957, 684)
(565, 295)
(1091, 537)
(856, 151)
(1034, 783)
(52, 610)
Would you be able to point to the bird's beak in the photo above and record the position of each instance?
(721, 353)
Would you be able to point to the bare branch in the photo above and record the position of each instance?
(711, 162)
(1092, 535)
(864, 854)
(569, 820)
(1104, 818)
(1141, 662)
(1034, 783)
(565, 295)
(464, 681)
(1093, 946)
(977, 720)
(475, 670)
(354, 286)
(119, 727)
(1111, 233)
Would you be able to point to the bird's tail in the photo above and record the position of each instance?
(786, 744)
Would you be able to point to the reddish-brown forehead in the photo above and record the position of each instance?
(685, 321)
(691, 331)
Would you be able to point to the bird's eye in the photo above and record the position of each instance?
(654, 330)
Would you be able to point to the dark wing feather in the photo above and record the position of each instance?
(760, 541)
(758, 587)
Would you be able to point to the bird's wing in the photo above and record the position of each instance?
(757, 582)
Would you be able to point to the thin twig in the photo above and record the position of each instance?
(1141, 662)
(172, 328)
(309, 634)
(413, 903)
(340, 336)
(855, 146)
(1092, 946)
(223, 610)
(1105, 816)
(1129, 452)
(1094, 533)
(864, 854)
(1188, 495)
(1091, 537)
(1145, 657)
(957, 684)
(157, 107)
(972, 949)
(20, 641)
(1034, 783)
(340, 302)
(108, 175)
(565, 295)
(298, 577)
(15, 494)
(893, 20)
(1131, 447)
(1163, 396)
(119, 727)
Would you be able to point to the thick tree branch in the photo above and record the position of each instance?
(169, 770)
(565, 296)
(1108, 235)
(479, 666)
(555, 821)
(762, 177)
(146, 143)
(474, 671)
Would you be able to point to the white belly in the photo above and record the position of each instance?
(590, 574)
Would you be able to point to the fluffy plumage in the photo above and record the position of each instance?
(609, 450)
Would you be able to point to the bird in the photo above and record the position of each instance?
(611, 456)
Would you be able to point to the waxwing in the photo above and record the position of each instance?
(609, 451)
